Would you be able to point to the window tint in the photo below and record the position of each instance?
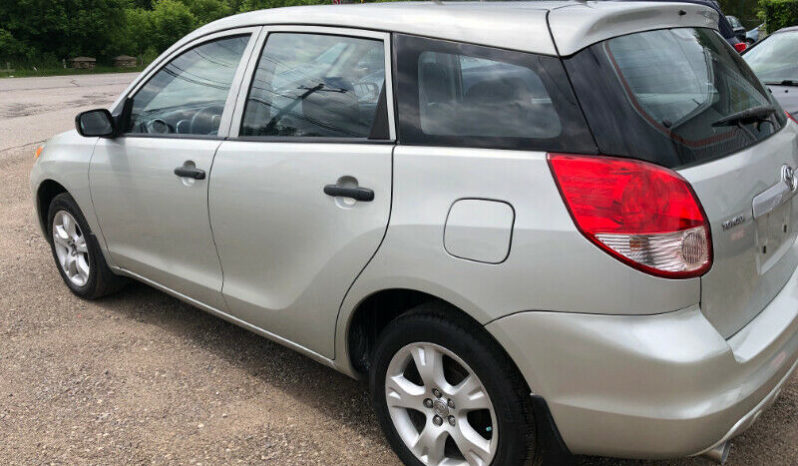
(662, 96)
(311, 85)
(456, 94)
(187, 96)
(467, 96)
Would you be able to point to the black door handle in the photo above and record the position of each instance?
(190, 172)
(358, 194)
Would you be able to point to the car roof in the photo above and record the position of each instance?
(510, 25)
(787, 29)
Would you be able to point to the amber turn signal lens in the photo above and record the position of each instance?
(38, 152)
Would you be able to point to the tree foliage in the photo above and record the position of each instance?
(778, 14)
(51, 30)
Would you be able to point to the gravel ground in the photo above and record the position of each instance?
(143, 378)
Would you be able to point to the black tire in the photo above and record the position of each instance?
(101, 280)
(439, 324)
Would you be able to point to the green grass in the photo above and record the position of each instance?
(60, 71)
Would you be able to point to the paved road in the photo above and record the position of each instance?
(143, 378)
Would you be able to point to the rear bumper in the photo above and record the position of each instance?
(660, 386)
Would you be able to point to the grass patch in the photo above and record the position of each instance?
(60, 71)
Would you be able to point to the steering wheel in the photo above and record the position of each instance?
(206, 117)
(157, 126)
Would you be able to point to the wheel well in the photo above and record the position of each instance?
(48, 189)
(374, 313)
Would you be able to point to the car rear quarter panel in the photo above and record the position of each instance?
(550, 266)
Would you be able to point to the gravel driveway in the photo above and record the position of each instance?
(143, 378)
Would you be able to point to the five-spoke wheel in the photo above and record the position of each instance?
(439, 406)
(76, 251)
(446, 394)
(71, 248)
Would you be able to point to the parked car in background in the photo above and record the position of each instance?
(775, 61)
(724, 27)
(737, 27)
(753, 35)
(584, 242)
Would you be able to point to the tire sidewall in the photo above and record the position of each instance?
(480, 357)
(66, 203)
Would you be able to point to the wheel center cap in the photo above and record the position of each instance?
(440, 408)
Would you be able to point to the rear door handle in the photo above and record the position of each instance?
(187, 171)
(356, 193)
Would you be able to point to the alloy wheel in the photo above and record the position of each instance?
(439, 407)
(71, 248)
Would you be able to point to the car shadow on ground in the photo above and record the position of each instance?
(306, 380)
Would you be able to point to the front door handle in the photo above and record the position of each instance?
(356, 193)
(188, 171)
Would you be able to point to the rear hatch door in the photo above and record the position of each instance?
(748, 199)
(684, 99)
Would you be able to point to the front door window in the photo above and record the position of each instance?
(188, 95)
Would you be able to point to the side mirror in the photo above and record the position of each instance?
(96, 123)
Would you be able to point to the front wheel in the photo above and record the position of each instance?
(445, 393)
(76, 251)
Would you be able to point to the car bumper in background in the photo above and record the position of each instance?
(658, 386)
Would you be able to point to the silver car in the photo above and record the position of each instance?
(534, 228)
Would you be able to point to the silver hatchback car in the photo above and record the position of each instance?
(534, 228)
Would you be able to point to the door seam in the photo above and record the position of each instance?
(363, 269)
(210, 223)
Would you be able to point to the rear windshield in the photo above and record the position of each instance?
(673, 97)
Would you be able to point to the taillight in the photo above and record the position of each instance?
(740, 47)
(642, 214)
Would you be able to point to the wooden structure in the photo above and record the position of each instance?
(84, 63)
(125, 61)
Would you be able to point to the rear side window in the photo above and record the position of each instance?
(453, 94)
(670, 97)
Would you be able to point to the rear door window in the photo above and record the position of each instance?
(671, 96)
(455, 94)
(316, 85)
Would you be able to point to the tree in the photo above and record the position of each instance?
(250, 5)
(91, 27)
(170, 20)
(11, 48)
(206, 11)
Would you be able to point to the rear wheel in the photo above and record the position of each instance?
(445, 394)
(76, 251)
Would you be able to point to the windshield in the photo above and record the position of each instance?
(775, 59)
(672, 96)
(734, 22)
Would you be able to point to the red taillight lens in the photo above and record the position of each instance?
(643, 214)
(791, 117)
(740, 47)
